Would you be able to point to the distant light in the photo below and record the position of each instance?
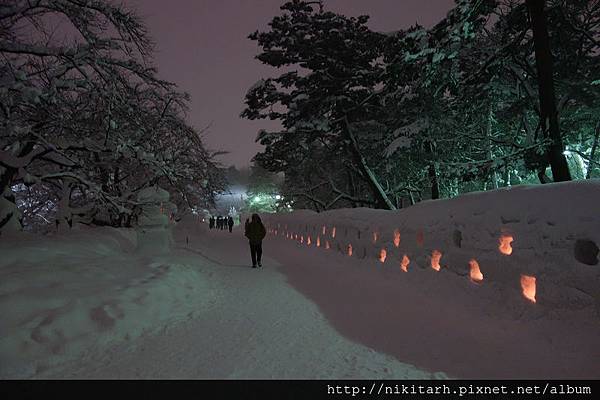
(278, 197)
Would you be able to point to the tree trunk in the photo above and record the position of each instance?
(593, 152)
(10, 217)
(435, 188)
(379, 194)
(489, 138)
(548, 113)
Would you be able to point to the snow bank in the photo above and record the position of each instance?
(65, 296)
(551, 232)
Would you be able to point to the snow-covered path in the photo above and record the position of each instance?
(255, 326)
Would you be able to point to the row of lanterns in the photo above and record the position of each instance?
(528, 283)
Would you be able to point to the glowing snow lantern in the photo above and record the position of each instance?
(476, 275)
(333, 232)
(375, 237)
(275, 231)
(308, 241)
(404, 263)
(504, 246)
(435, 260)
(318, 241)
(420, 238)
(396, 238)
(302, 239)
(349, 249)
(324, 229)
(382, 255)
(327, 245)
(528, 287)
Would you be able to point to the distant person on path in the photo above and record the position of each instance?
(223, 222)
(255, 232)
(211, 222)
(230, 223)
(219, 222)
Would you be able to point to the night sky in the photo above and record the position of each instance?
(202, 46)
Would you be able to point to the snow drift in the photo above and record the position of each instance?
(65, 296)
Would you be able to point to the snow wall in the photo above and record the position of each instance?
(533, 245)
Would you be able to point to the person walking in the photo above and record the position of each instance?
(211, 222)
(255, 232)
(230, 223)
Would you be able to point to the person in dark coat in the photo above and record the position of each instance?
(211, 222)
(223, 222)
(230, 223)
(255, 232)
(219, 222)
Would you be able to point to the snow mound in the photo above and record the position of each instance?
(63, 297)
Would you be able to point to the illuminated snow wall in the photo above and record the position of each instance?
(534, 244)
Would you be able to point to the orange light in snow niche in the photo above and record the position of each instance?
(162, 208)
(327, 245)
(435, 260)
(404, 263)
(505, 247)
(476, 275)
(420, 238)
(302, 239)
(349, 249)
(396, 238)
(324, 229)
(308, 241)
(333, 232)
(382, 255)
(528, 286)
(318, 241)
(375, 237)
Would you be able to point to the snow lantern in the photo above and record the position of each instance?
(505, 244)
(396, 238)
(528, 287)
(435, 260)
(404, 263)
(382, 255)
(475, 273)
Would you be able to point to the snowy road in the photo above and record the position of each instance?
(256, 326)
